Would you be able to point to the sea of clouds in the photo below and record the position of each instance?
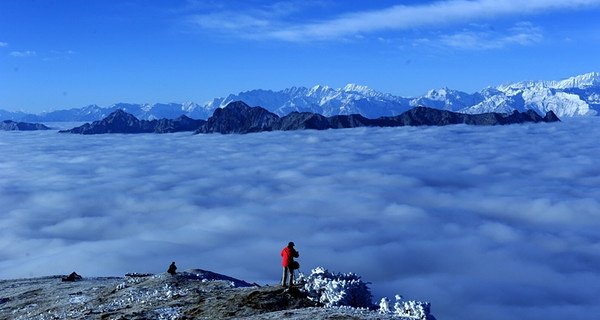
(483, 222)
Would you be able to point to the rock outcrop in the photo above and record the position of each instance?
(238, 117)
(9, 125)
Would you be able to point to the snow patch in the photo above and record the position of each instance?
(168, 313)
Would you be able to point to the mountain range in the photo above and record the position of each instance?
(238, 117)
(575, 96)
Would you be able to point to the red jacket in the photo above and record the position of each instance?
(287, 256)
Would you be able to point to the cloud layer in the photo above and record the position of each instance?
(484, 222)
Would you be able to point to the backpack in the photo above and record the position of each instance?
(294, 265)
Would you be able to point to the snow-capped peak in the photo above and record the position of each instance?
(575, 96)
(437, 94)
(351, 87)
(318, 89)
(189, 106)
(582, 81)
(146, 107)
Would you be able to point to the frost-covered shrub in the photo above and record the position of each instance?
(406, 309)
(336, 289)
(347, 290)
(384, 305)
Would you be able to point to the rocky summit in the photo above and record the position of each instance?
(238, 117)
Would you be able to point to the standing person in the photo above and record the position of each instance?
(172, 268)
(289, 265)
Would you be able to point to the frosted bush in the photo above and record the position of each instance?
(347, 290)
(336, 289)
(384, 305)
(406, 309)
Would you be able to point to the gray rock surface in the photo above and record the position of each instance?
(193, 294)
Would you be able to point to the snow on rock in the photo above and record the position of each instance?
(132, 294)
(581, 81)
(355, 88)
(447, 99)
(168, 313)
(540, 96)
(566, 104)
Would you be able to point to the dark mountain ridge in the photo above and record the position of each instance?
(122, 122)
(9, 125)
(238, 117)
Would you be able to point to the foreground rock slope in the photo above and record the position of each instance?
(193, 294)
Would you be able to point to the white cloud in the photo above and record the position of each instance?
(403, 17)
(484, 222)
(22, 54)
(231, 22)
(478, 39)
(58, 55)
(394, 18)
(248, 21)
(3, 44)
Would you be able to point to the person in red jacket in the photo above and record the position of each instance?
(289, 265)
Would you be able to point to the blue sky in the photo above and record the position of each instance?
(64, 54)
